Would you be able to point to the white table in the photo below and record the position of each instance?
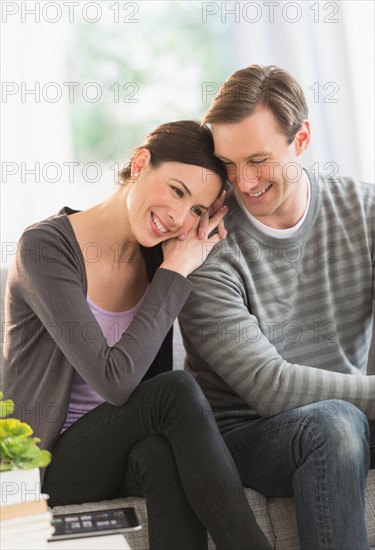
(107, 542)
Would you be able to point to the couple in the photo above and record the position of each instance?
(88, 352)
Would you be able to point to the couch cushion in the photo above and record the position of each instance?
(283, 519)
(258, 505)
(276, 517)
(370, 507)
(138, 540)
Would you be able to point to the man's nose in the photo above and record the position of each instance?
(247, 177)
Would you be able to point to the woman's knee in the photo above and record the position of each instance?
(182, 386)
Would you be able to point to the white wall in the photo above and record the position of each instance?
(319, 53)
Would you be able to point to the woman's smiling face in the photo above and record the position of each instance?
(166, 201)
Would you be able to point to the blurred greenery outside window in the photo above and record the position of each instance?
(153, 70)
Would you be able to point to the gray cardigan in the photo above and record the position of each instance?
(50, 330)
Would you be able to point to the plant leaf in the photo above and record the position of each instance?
(14, 427)
(6, 408)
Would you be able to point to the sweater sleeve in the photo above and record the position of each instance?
(49, 281)
(226, 346)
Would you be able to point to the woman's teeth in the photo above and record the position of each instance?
(260, 192)
(159, 225)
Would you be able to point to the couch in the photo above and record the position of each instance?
(276, 516)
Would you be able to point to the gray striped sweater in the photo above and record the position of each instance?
(275, 324)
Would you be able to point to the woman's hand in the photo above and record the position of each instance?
(187, 252)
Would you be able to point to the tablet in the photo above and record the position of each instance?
(96, 523)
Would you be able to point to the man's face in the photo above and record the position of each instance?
(264, 169)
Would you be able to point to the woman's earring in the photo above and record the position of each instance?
(136, 174)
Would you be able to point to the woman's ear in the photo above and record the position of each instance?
(141, 160)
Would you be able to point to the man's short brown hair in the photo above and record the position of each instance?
(258, 86)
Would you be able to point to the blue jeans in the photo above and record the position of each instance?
(163, 445)
(319, 453)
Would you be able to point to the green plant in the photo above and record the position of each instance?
(17, 448)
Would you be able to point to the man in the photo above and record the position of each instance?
(278, 326)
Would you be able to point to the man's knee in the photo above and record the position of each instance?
(340, 414)
(340, 424)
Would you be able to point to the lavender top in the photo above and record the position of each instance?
(113, 324)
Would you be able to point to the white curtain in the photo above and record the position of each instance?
(329, 48)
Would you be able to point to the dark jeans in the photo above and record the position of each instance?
(319, 453)
(164, 445)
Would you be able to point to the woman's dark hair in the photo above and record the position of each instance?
(184, 141)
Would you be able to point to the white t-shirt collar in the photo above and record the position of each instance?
(278, 233)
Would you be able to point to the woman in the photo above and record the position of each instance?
(90, 303)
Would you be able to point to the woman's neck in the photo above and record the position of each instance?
(115, 268)
(104, 230)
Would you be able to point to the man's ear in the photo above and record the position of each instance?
(302, 138)
(141, 160)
